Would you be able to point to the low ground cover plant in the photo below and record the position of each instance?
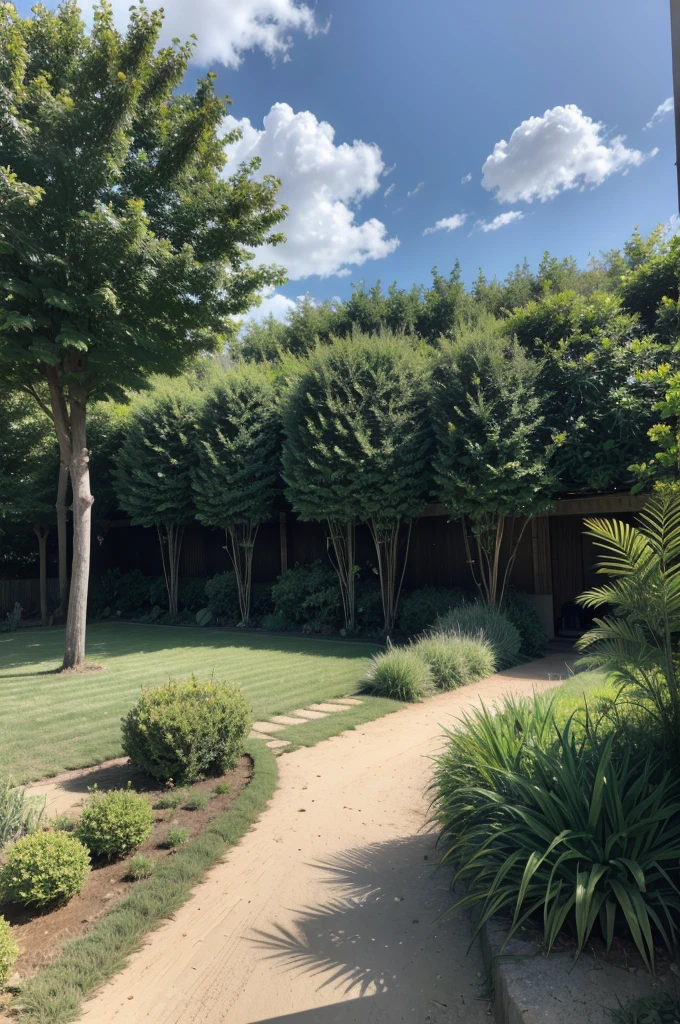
(177, 836)
(114, 823)
(185, 730)
(44, 868)
(492, 625)
(9, 951)
(141, 867)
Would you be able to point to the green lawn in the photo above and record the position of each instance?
(579, 690)
(49, 721)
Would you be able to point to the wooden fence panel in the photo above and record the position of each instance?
(27, 593)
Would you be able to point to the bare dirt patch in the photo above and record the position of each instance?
(41, 934)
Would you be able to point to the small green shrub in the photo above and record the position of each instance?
(176, 836)
(19, 814)
(171, 800)
(524, 617)
(421, 608)
(221, 788)
(478, 620)
(63, 823)
(451, 659)
(141, 867)
(125, 593)
(369, 607)
(9, 952)
(400, 674)
(186, 730)
(12, 619)
(276, 623)
(221, 597)
(309, 594)
(196, 802)
(44, 868)
(114, 823)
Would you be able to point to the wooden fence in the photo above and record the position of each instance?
(27, 593)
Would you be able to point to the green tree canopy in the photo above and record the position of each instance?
(153, 475)
(357, 448)
(237, 479)
(491, 461)
(125, 247)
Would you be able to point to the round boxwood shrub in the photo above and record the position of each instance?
(114, 823)
(9, 951)
(186, 729)
(401, 674)
(479, 620)
(44, 868)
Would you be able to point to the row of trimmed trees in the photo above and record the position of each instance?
(365, 430)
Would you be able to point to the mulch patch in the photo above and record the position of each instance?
(41, 933)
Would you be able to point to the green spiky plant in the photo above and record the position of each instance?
(639, 642)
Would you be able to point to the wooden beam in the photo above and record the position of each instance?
(599, 504)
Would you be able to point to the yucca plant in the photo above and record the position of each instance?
(638, 644)
(19, 813)
(584, 839)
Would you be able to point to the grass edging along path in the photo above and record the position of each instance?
(54, 995)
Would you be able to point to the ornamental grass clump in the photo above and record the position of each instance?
(187, 729)
(9, 952)
(490, 624)
(114, 823)
(455, 660)
(566, 833)
(20, 814)
(44, 868)
(401, 674)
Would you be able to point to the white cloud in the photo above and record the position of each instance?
(416, 190)
(320, 182)
(273, 304)
(466, 179)
(226, 29)
(501, 220)
(664, 108)
(389, 190)
(388, 170)
(546, 155)
(448, 223)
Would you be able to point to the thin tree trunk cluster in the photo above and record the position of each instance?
(42, 533)
(240, 543)
(342, 538)
(387, 540)
(170, 536)
(486, 567)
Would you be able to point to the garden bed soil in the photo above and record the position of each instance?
(41, 933)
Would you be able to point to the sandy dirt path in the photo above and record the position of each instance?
(328, 910)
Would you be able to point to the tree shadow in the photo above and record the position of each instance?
(382, 938)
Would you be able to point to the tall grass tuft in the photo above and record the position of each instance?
(489, 624)
(401, 674)
(455, 660)
(19, 814)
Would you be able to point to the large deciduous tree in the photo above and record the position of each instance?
(154, 466)
(492, 460)
(238, 473)
(357, 448)
(123, 244)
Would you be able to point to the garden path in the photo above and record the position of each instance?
(328, 910)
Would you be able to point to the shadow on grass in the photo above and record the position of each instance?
(382, 938)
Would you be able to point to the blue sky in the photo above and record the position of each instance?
(430, 89)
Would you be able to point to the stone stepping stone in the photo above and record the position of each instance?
(326, 707)
(306, 713)
(287, 720)
(277, 744)
(266, 727)
(258, 736)
(347, 700)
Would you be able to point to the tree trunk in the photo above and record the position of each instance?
(486, 574)
(76, 623)
(240, 543)
(342, 537)
(41, 533)
(172, 540)
(386, 540)
(62, 539)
